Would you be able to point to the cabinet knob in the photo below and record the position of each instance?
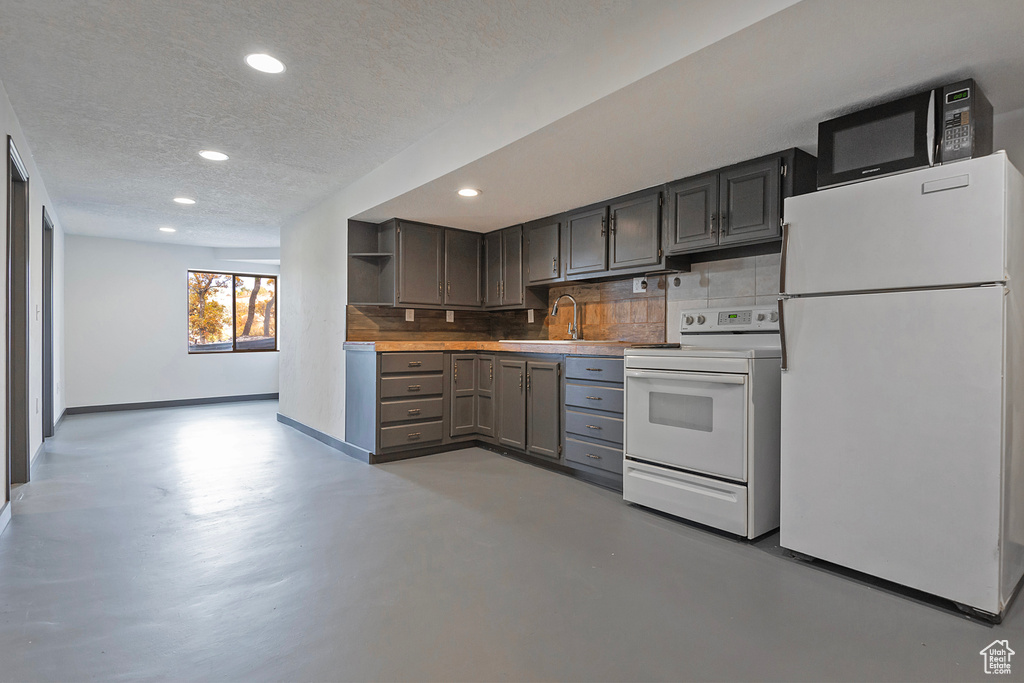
(414, 387)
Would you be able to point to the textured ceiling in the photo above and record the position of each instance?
(757, 91)
(117, 96)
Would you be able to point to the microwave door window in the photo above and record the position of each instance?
(682, 411)
(874, 143)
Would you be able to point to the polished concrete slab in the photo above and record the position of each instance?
(214, 543)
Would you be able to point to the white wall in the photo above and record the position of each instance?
(127, 326)
(1008, 134)
(38, 198)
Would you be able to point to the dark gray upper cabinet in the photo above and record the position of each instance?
(492, 269)
(486, 402)
(543, 408)
(738, 205)
(512, 266)
(692, 213)
(462, 397)
(512, 403)
(587, 248)
(462, 268)
(503, 268)
(420, 264)
(543, 245)
(635, 236)
(749, 202)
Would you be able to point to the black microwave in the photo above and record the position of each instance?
(938, 126)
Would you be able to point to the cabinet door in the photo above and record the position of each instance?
(486, 403)
(543, 408)
(635, 232)
(692, 212)
(462, 268)
(512, 399)
(492, 269)
(420, 257)
(588, 251)
(543, 252)
(512, 266)
(749, 202)
(463, 394)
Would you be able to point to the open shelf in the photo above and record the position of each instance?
(372, 254)
(371, 268)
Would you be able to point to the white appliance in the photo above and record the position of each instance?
(702, 421)
(903, 379)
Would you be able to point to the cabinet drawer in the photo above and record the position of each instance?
(410, 385)
(592, 455)
(594, 426)
(603, 369)
(391, 363)
(590, 396)
(417, 409)
(410, 435)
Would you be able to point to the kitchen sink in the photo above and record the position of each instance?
(557, 341)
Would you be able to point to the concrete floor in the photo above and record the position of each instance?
(214, 543)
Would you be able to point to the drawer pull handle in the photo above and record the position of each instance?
(415, 363)
(594, 398)
(592, 427)
(414, 435)
(414, 411)
(595, 370)
(595, 457)
(414, 387)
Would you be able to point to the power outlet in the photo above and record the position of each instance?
(449, 316)
(639, 285)
(529, 315)
(410, 315)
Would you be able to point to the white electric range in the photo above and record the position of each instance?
(702, 421)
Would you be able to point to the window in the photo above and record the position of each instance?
(231, 312)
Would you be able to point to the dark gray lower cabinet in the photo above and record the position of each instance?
(543, 432)
(485, 401)
(529, 406)
(512, 403)
(463, 395)
(410, 392)
(594, 415)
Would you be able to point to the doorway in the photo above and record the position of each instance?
(47, 392)
(17, 413)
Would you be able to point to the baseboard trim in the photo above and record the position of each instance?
(5, 516)
(35, 456)
(177, 403)
(337, 444)
(56, 425)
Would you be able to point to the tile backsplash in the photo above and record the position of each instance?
(747, 281)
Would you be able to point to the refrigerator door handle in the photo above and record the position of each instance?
(782, 333)
(782, 263)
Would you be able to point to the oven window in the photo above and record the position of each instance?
(681, 410)
(874, 143)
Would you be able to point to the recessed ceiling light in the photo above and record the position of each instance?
(213, 156)
(468, 192)
(166, 229)
(265, 63)
(184, 200)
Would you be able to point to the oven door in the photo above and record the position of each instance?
(690, 420)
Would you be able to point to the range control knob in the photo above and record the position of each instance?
(689, 319)
(774, 316)
(760, 317)
(700, 320)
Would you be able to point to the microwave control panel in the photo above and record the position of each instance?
(966, 120)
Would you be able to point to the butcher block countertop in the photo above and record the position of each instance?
(576, 348)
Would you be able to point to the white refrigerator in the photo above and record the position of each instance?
(902, 445)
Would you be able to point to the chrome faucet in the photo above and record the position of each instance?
(574, 326)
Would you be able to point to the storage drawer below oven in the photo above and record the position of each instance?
(708, 501)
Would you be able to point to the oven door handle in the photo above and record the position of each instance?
(687, 376)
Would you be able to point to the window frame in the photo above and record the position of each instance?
(234, 330)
